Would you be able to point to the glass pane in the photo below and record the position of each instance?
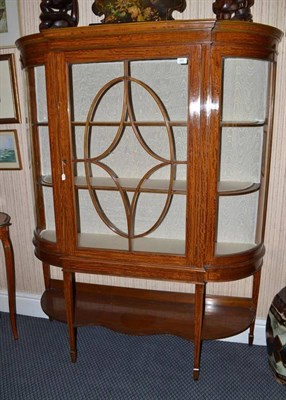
(237, 216)
(87, 81)
(42, 112)
(245, 89)
(241, 154)
(150, 207)
(92, 230)
(49, 208)
(168, 80)
(45, 153)
(129, 129)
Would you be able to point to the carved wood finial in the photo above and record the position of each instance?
(115, 11)
(233, 9)
(58, 13)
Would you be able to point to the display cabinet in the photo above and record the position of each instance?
(151, 147)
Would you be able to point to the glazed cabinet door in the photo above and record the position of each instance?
(112, 152)
(129, 133)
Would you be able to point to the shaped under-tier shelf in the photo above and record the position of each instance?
(146, 312)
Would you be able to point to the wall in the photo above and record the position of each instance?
(16, 193)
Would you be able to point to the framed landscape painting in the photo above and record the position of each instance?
(9, 98)
(9, 150)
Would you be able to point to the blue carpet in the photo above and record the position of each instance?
(113, 366)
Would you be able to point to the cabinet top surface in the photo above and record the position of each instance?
(200, 31)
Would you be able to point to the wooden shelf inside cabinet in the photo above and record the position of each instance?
(46, 180)
(145, 312)
(225, 188)
(42, 123)
(225, 248)
(91, 240)
(116, 242)
(129, 123)
(241, 124)
(132, 184)
(127, 184)
(235, 188)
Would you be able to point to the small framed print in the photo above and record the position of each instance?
(9, 98)
(9, 150)
(9, 23)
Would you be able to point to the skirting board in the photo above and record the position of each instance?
(26, 304)
(29, 304)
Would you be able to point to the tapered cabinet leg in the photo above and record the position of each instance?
(47, 278)
(255, 293)
(10, 272)
(199, 312)
(69, 279)
(47, 275)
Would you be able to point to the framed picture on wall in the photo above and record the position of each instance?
(9, 23)
(9, 98)
(9, 150)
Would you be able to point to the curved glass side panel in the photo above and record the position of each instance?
(244, 148)
(245, 90)
(40, 142)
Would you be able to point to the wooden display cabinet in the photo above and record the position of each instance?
(151, 150)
